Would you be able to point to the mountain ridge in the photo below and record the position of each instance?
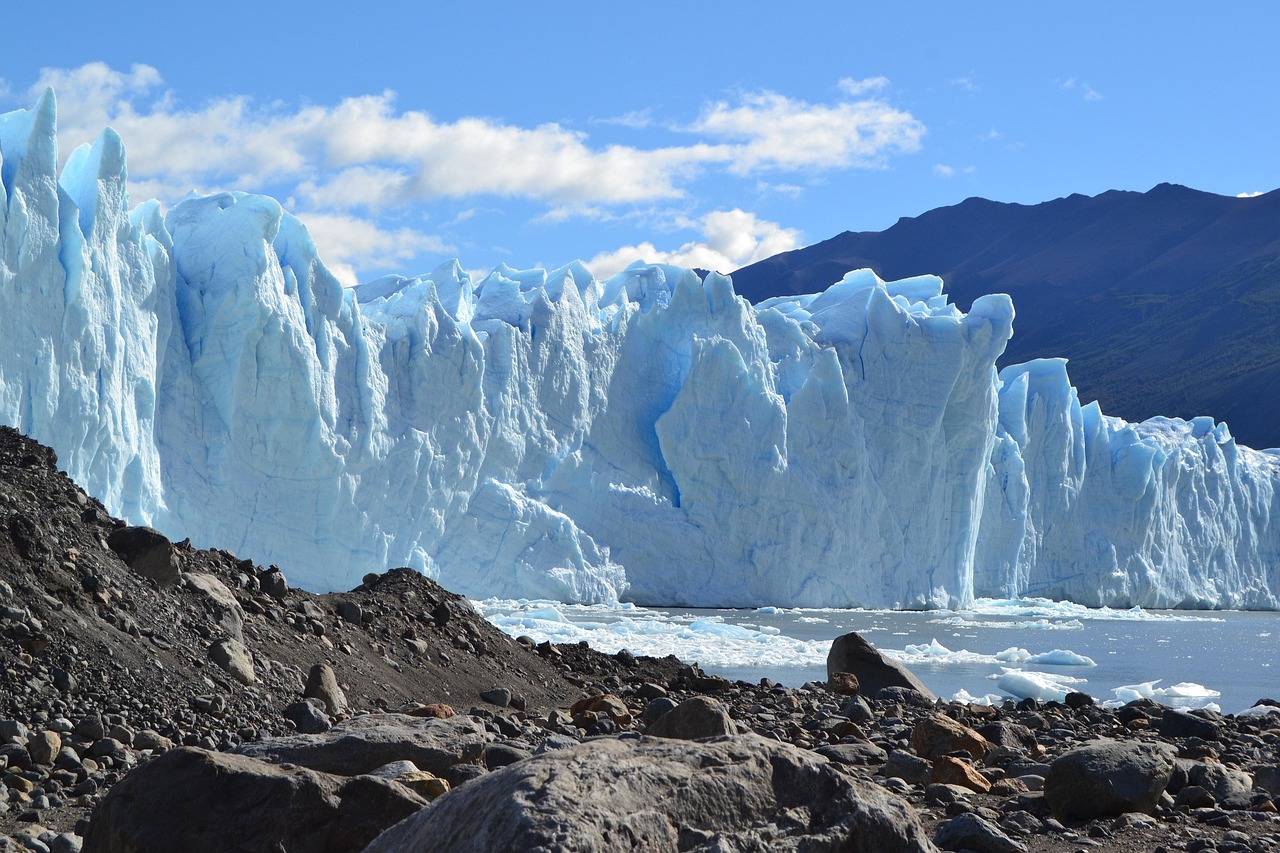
(1161, 300)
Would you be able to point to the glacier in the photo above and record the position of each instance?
(543, 434)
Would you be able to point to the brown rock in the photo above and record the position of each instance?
(43, 747)
(953, 771)
(844, 683)
(699, 717)
(436, 710)
(938, 734)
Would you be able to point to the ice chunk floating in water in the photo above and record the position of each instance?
(544, 434)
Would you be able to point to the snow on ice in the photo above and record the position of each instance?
(542, 434)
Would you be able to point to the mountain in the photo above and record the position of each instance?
(544, 434)
(1166, 302)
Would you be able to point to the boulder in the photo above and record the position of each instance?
(692, 719)
(322, 684)
(735, 793)
(938, 734)
(307, 716)
(217, 602)
(147, 552)
(190, 799)
(1230, 789)
(971, 832)
(851, 653)
(234, 657)
(952, 771)
(1175, 723)
(1108, 777)
(367, 742)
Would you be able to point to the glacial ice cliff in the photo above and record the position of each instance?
(544, 434)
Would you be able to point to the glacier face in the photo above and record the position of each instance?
(544, 434)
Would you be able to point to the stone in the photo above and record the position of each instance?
(1175, 723)
(938, 734)
(307, 716)
(43, 747)
(499, 696)
(851, 653)
(218, 602)
(843, 683)
(322, 684)
(972, 832)
(607, 705)
(952, 771)
(151, 739)
(438, 710)
(736, 793)
(859, 754)
(234, 657)
(369, 741)
(1108, 777)
(351, 611)
(657, 708)
(191, 799)
(692, 719)
(905, 766)
(1012, 736)
(147, 552)
(273, 583)
(425, 785)
(502, 754)
(1230, 789)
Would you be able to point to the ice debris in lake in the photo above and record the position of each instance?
(540, 433)
(935, 652)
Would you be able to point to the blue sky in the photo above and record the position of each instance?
(703, 133)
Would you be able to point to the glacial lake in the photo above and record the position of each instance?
(998, 649)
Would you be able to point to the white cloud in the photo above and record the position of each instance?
(730, 239)
(855, 88)
(965, 84)
(635, 119)
(1253, 194)
(348, 242)
(942, 170)
(364, 153)
(1086, 91)
(777, 132)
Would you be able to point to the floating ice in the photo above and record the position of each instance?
(1041, 686)
(543, 434)
(1184, 694)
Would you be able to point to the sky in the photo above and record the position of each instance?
(704, 133)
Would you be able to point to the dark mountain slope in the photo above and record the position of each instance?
(1166, 302)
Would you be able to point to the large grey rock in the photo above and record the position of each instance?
(971, 832)
(692, 719)
(233, 656)
(147, 552)
(218, 602)
(190, 799)
(363, 744)
(851, 653)
(1230, 789)
(734, 793)
(322, 684)
(1108, 777)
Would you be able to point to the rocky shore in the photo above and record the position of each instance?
(160, 697)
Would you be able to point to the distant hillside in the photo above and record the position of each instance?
(1166, 302)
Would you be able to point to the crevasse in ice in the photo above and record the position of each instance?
(544, 434)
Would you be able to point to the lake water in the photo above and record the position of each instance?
(1225, 658)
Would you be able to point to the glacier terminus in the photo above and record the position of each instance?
(540, 433)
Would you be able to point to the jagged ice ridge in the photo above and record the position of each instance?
(544, 434)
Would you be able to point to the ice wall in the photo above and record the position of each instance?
(545, 434)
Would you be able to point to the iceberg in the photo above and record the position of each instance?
(542, 434)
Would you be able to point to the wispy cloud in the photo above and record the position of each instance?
(857, 88)
(730, 239)
(990, 136)
(942, 170)
(350, 242)
(1086, 91)
(965, 84)
(635, 119)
